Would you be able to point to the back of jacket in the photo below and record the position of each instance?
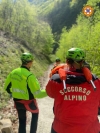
(76, 109)
(23, 84)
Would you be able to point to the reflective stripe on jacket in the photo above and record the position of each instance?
(24, 85)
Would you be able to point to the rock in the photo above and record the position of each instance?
(0, 117)
(5, 126)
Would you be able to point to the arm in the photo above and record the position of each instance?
(35, 87)
(7, 85)
(52, 88)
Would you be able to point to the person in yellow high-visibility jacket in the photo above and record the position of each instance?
(25, 88)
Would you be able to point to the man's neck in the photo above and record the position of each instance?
(25, 66)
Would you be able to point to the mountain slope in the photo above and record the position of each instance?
(10, 51)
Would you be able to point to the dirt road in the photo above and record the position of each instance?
(46, 113)
(45, 110)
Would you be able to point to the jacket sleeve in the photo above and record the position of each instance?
(7, 85)
(52, 88)
(34, 86)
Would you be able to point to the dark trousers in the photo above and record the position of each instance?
(22, 121)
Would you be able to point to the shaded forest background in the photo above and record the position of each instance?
(47, 29)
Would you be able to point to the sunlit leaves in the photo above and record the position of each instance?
(21, 20)
(86, 35)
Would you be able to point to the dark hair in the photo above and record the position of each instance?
(57, 60)
(71, 61)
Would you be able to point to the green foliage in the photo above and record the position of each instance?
(46, 7)
(43, 40)
(86, 35)
(20, 19)
(60, 13)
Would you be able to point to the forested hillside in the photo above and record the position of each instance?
(60, 13)
(74, 29)
(20, 19)
(84, 34)
(37, 2)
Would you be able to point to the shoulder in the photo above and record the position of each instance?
(14, 70)
(56, 78)
(32, 78)
(94, 77)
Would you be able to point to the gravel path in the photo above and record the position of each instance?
(45, 110)
(45, 116)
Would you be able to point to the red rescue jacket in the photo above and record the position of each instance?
(76, 110)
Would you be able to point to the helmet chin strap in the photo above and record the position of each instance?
(80, 64)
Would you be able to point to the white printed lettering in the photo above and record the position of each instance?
(76, 89)
(61, 92)
(75, 97)
(72, 89)
(68, 89)
(80, 89)
(84, 90)
(88, 92)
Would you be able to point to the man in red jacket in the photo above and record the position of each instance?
(76, 109)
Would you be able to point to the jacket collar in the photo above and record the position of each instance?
(25, 67)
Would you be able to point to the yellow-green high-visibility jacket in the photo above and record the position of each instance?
(23, 85)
